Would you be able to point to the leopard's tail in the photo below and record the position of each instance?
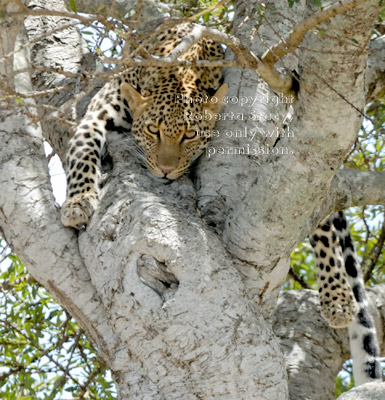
(364, 346)
(344, 301)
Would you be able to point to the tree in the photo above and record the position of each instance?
(180, 303)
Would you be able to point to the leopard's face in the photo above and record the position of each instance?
(173, 131)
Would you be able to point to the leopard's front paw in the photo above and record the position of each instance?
(77, 211)
(339, 314)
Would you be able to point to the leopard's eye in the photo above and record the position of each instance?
(192, 134)
(153, 130)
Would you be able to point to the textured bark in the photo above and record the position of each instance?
(327, 125)
(8, 34)
(372, 391)
(351, 188)
(64, 50)
(376, 68)
(206, 341)
(201, 337)
(121, 8)
(267, 209)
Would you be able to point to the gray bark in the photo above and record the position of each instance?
(203, 337)
(372, 391)
(376, 68)
(124, 9)
(351, 188)
(299, 180)
(64, 50)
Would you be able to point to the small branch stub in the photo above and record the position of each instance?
(156, 276)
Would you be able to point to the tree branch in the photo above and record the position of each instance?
(51, 13)
(290, 44)
(27, 207)
(244, 57)
(56, 263)
(310, 162)
(264, 66)
(298, 278)
(371, 390)
(349, 188)
(375, 72)
(375, 254)
(352, 187)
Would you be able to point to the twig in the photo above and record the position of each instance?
(156, 61)
(368, 232)
(44, 352)
(322, 79)
(38, 39)
(298, 279)
(376, 252)
(33, 94)
(49, 13)
(209, 9)
(265, 66)
(287, 46)
(243, 56)
(41, 69)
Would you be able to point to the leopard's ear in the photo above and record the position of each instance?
(216, 102)
(136, 101)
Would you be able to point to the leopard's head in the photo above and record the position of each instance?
(171, 127)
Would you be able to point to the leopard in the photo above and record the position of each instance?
(343, 299)
(170, 110)
(155, 104)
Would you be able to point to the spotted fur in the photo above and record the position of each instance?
(344, 302)
(169, 110)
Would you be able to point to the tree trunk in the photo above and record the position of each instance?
(180, 306)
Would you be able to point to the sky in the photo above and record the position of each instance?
(57, 174)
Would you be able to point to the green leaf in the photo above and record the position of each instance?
(291, 2)
(73, 6)
(317, 3)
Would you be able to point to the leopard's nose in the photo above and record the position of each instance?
(166, 170)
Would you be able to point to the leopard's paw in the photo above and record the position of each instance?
(339, 314)
(77, 211)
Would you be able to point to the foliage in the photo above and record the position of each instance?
(345, 379)
(220, 16)
(43, 352)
